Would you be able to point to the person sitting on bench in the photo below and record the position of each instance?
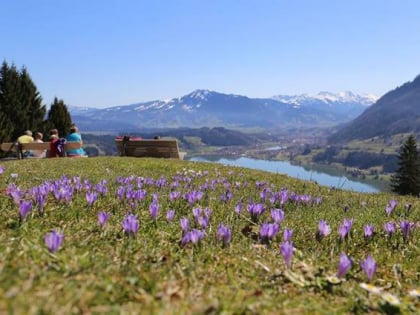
(74, 136)
(26, 138)
(38, 139)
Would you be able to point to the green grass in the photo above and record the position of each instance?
(103, 271)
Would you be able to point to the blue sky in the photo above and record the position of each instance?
(102, 53)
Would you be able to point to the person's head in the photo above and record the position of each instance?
(73, 129)
(53, 133)
(38, 136)
(28, 133)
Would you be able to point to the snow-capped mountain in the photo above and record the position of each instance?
(211, 109)
(329, 98)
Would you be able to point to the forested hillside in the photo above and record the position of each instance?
(396, 112)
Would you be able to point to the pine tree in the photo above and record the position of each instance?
(20, 103)
(406, 180)
(31, 102)
(9, 99)
(59, 118)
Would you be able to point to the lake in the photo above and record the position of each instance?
(326, 177)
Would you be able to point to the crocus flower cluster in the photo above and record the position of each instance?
(189, 204)
(193, 236)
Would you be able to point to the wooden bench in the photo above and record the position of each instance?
(18, 149)
(159, 148)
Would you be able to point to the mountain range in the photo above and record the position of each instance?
(398, 111)
(204, 108)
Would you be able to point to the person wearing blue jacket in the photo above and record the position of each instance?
(74, 136)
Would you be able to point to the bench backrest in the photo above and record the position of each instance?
(14, 147)
(160, 148)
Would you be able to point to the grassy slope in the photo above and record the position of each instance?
(104, 271)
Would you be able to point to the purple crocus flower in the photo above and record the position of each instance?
(102, 218)
(173, 195)
(255, 210)
(101, 187)
(203, 221)
(170, 215)
(207, 212)
(40, 200)
(53, 241)
(15, 193)
(197, 212)
(369, 266)
(389, 228)
(405, 229)
(342, 231)
(345, 228)
(369, 230)
(224, 233)
(193, 236)
(323, 228)
(25, 207)
(391, 206)
(268, 231)
(2, 169)
(286, 250)
(263, 194)
(277, 215)
(344, 265)
(284, 196)
(226, 196)
(193, 196)
(185, 224)
(304, 198)
(120, 192)
(154, 210)
(238, 208)
(91, 197)
(130, 224)
(287, 235)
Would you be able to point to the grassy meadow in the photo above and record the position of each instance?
(152, 236)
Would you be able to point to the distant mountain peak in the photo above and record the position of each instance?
(200, 94)
(204, 107)
(328, 98)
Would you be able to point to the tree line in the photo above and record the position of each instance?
(22, 108)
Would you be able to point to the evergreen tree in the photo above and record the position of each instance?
(31, 103)
(406, 180)
(59, 118)
(20, 103)
(9, 99)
